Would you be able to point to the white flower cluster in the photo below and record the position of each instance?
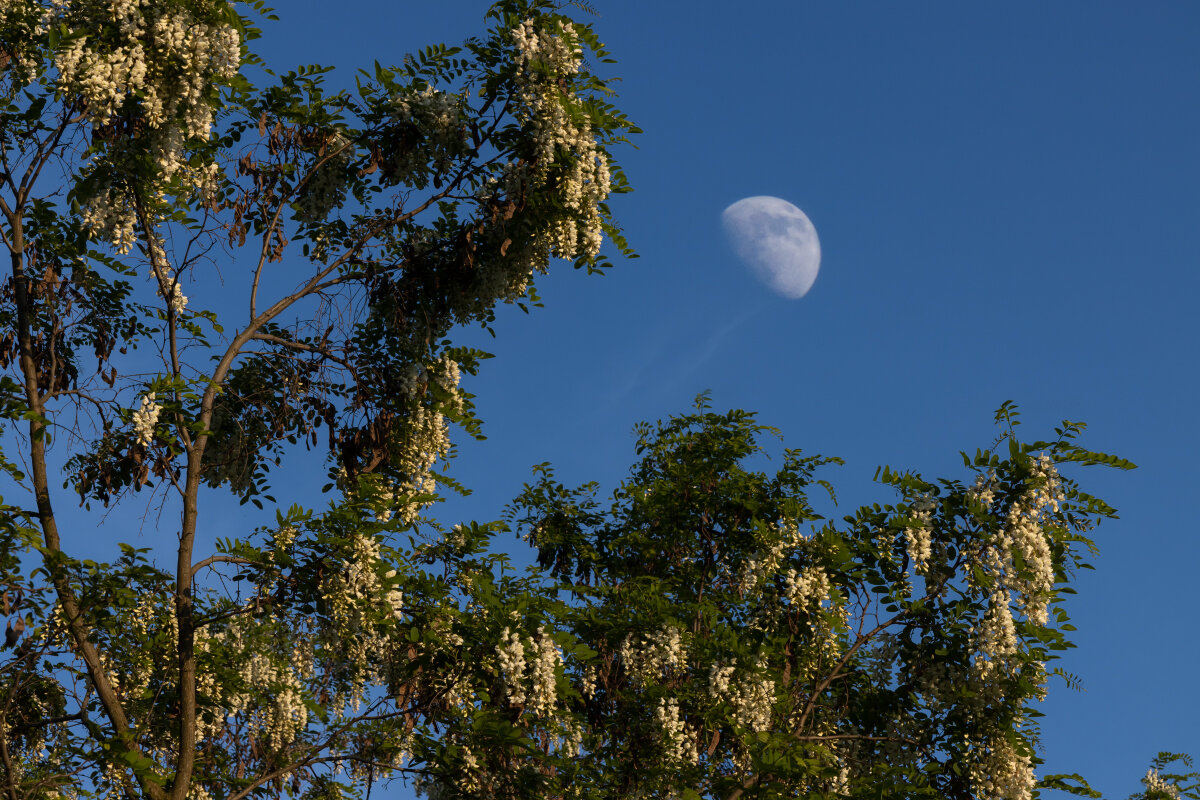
(919, 539)
(543, 675)
(995, 640)
(840, 785)
(280, 722)
(164, 61)
(145, 418)
(411, 383)
(535, 682)
(359, 584)
(785, 538)
(984, 489)
(587, 683)
(386, 500)
(178, 300)
(468, 781)
(443, 625)
(109, 217)
(15, 17)
(209, 723)
(160, 269)
(133, 663)
(999, 772)
(271, 700)
(427, 440)
(719, 677)
(455, 538)
(678, 742)
(571, 743)
(511, 652)
(1023, 537)
(284, 537)
(429, 107)
(436, 117)
(395, 597)
(1156, 785)
(937, 682)
(456, 693)
(544, 58)
(167, 61)
(358, 602)
(648, 658)
(808, 588)
(752, 697)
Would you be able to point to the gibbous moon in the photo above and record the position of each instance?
(777, 241)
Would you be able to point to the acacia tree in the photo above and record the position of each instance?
(706, 634)
(352, 231)
(724, 640)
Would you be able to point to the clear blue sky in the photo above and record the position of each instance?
(1008, 199)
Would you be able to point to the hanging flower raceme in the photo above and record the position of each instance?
(511, 653)
(678, 742)
(546, 60)
(917, 536)
(145, 418)
(530, 682)
(649, 657)
(145, 75)
(749, 692)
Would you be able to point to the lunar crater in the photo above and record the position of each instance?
(777, 241)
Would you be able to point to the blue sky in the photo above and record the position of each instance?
(1007, 198)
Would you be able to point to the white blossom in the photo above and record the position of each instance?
(999, 772)
(808, 588)
(145, 418)
(588, 683)
(750, 693)
(178, 300)
(719, 676)
(543, 674)
(984, 489)
(840, 785)
(1023, 536)
(1156, 784)
(395, 597)
(360, 607)
(919, 538)
(426, 440)
(162, 67)
(533, 681)
(994, 641)
(543, 56)
(436, 117)
(648, 657)
(271, 702)
(784, 539)
(511, 652)
(678, 742)
(284, 538)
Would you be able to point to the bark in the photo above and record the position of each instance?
(53, 559)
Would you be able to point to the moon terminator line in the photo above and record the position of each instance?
(777, 241)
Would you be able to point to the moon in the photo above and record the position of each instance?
(777, 241)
